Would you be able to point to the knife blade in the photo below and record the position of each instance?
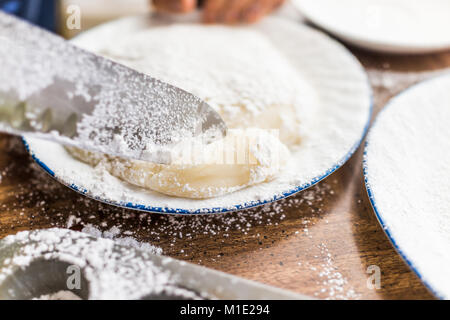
(35, 263)
(54, 90)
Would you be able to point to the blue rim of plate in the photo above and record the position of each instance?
(246, 205)
(372, 200)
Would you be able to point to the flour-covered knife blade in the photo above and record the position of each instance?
(54, 90)
(35, 263)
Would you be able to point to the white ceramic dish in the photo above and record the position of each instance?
(343, 113)
(408, 178)
(393, 26)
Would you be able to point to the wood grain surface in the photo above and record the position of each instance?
(320, 242)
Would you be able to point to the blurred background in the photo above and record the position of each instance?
(51, 14)
(388, 26)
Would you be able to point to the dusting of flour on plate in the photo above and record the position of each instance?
(407, 171)
(237, 71)
(241, 75)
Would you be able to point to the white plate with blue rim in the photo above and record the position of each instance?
(392, 26)
(407, 176)
(342, 109)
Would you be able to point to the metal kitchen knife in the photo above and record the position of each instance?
(53, 90)
(40, 262)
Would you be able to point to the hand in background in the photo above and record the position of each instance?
(222, 11)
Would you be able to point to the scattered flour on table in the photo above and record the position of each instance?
(334, 284)
(115, 234)
(389, 82)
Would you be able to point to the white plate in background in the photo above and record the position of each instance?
(393, 26)
(407, 175)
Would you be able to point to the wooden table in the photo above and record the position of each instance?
(320, 242)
